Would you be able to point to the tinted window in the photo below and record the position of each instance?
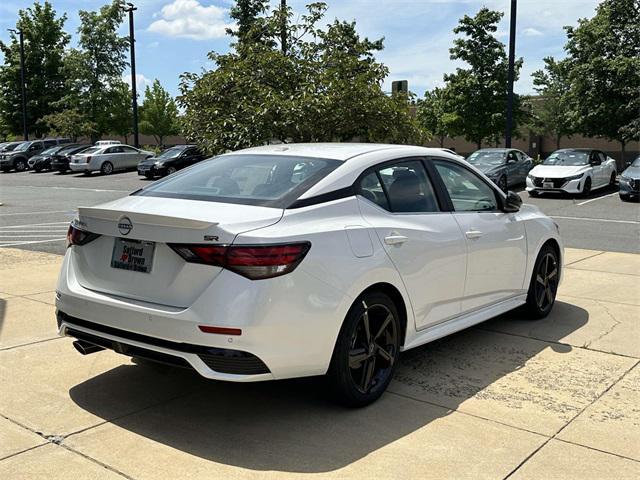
(128, 149)
(467, 191)
(93, 150)
(170, 152)
(267, 180)
(601, 156)
(49, 143)
(371, 189)
(117, 149)
(408, 188)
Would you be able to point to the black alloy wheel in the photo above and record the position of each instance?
(612, 180)
(367, 350)
(502, 183)
(106, 168)
(171, 170)
(20, 165)
(544, 283)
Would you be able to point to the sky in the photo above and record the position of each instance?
(174, 36)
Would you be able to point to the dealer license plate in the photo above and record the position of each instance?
(547, 185)
(134, 255)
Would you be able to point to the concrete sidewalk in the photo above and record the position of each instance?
(558, 398)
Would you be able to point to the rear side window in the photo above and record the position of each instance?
(468, 192)
(405, 188)
(264, 180)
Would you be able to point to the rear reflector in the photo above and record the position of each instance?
(220, 330)
(75, 236)
(255, 262)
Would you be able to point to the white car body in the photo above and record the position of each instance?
(121, 157)
(448, 270)
(571, 178)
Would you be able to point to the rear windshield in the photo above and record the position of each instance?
(92, 149)
(264, 180)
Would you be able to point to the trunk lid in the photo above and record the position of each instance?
(171, 280)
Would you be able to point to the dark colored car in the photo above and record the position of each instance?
(169, 161)
(18, 158)
(9, 147)
(504, 166)
(630, 181)
(42, 161)
(60, 160)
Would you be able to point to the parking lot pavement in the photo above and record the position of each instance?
(557, 398)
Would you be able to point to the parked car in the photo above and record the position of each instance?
(9, 146)
(60, 160)
(106, 159)
(17, 158)
(170, 160)
(572, 170)
(42, 161)
(504, 166)
(304, 259)
(452, 152)
(630, 181)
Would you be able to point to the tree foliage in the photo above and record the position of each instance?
(434, 115)
(159, 113)
(476, 96)
(551, 112)
(44, 44)
(326, 87)
(604, 62)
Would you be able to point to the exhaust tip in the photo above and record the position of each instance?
(86, 348)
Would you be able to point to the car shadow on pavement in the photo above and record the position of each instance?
(601, 192)
(293, 426)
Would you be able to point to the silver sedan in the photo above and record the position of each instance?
(107, 158)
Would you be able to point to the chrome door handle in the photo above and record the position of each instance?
(473, 234)
(395, 239)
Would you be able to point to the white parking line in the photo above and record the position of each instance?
(597, 198)
(606, 220)
(30, 236)
(48, 230)
(33, 213)
(29, 242)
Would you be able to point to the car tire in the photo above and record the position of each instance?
(625, 198)
(533, 193)
(366, 351)
(149, 175)
(503, 184)
(6, 170)
(106, 168)
(37, 169)
(612, 180)
(586, 188)
(171, 170)
(20, 165)
(544, 283)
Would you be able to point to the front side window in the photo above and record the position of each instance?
(265, 180)
(468, 192)
(371, 189)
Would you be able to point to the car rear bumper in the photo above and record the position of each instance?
(288, 325)
(80, 167)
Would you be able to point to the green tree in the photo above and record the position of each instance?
(120, 111)
(44, 44)
(94, 70)
(604, 57)
(477, 95)
(552, 112)
(159, 113)
(327, 86)
(434, 115)
(69, 123)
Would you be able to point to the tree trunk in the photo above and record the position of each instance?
(622, 164)
(441, 141)
(558, 137)
(479, 144)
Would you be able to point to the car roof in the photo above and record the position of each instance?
(333, 151)
(575, 149)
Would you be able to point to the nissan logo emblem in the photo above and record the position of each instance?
(125, 226)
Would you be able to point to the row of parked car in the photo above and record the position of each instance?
(570, 170)
(106, 156)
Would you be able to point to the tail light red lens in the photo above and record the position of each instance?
(255, 262)
(75, 236)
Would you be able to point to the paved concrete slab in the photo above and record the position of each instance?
(226, 432)
(612, 423)
(25, 321)
(605, 286)
(47, 297)
(29, 279)
(594, 324)
(15, 439)
(43, 384)
(613, 262)
(51, 462)
(519, 381)
(572, 255)
(564, 461)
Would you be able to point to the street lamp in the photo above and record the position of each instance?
(128, 7)
(512, 54)
(22, 86)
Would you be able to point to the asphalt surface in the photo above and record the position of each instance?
(37, 208)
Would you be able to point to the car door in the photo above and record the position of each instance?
(496, 242)
(605, 168)
(524, 165)
(422, 240)
(130, 156)
(512, 166)
(597, 167)
(190, 157)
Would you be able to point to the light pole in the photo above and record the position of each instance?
(25, 132)
(134, 95)
(512, 54)
(283, 27)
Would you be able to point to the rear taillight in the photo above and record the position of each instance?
(255, 262)
(75, 236)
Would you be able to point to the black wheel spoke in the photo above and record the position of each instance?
(540, 297)
(553, 273)
(356, 357)
(549, 295)
(383, 327)
(367, 330)
(540, 280)
(385, 355)
(368, 373)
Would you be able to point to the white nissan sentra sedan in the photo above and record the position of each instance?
(304, 259)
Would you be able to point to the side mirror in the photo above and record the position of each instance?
(513, 202)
